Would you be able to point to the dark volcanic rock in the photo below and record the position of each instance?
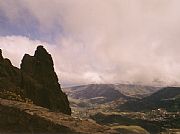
(48, 92)
(1, 57)
(36, 81)
(10, 79)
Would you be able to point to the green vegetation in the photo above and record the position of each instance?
(155, 121)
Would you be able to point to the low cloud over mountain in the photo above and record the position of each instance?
(97, 41)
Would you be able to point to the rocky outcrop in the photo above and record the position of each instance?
(35, 82)
(44, 81)
(1, 57)
(10, 79)
(18, 117)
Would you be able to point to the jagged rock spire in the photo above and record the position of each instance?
(35, 80)
(41, 53)
(41, 68)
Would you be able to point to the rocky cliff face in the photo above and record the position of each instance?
(48, 92)
(36, 81)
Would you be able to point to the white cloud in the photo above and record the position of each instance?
(107, 40)
(14, 47)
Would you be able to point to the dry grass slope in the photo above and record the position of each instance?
(130, 129)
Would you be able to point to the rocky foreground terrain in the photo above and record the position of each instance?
(19, 117)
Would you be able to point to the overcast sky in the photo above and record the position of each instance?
(97, 41)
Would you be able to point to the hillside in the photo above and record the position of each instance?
(19, 117)
(167, 98)
(134, 90)
(154, 122)
(100, 93)
(103, 90)
(105, 93)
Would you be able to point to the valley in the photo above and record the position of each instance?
(153, 109)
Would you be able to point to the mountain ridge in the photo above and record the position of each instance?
(125, 91)
(167, 98)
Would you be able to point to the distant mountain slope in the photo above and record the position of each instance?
(100, 92)
(109, 92)
(133, 90)
(168, 98)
